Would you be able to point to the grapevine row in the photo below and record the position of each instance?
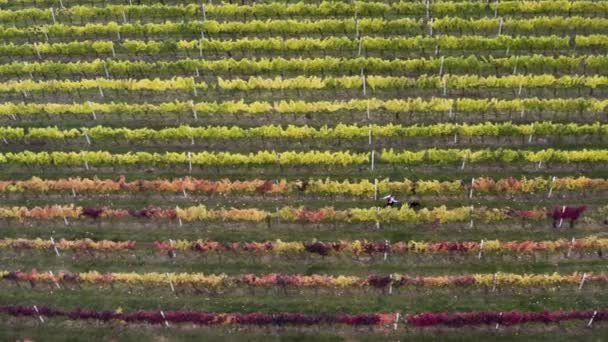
(386, 320)
(304, 9)
(364, 27)
(410, 105)
(404, 214)
(526, 64)
(481, 185)
(342, 158)
(189, 84)
(409, 45)
(586, 244)
(202, 318)
(341, 131)
(299, 280)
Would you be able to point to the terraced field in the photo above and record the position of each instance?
(175, 170)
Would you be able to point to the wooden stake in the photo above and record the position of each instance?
(494, 282)
(73, 192)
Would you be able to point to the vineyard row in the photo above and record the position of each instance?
(385, 320)
(404, 214)
(405, 45)
(431, 105)
(523, 64)
(299, 280)
(373, 83)
(481, 185)
(357, 247)
(341, 131)
(301, 9)
(342, 158)
(321, 27)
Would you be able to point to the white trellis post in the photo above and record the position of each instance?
(515, 66)
(61, 3)
(39, 315)
(428, 9)
(395, 325)
(170, 282)
(193, 108)
(592, 318)
(200, 45)
(373, 159)
(570, 248)
(369, 135)
(100, 91)
(165, 318)
(113, 50)
(445, 86)
(472, 187)
(357, 33)
(54, 279)
(204, 12)
(531, 134)
(551, 188)
(471, 215)
(86, 164)
(387, 244)
(94, 115)
(441, 66)
(494, 282)
(498, 323)
(364, 81)
(360, 48)
(580, 286)
(189, 162)
(124, 17)
(53, 15)
(55, 246)
(367, 111)
(561, 219)
(480, 250)
(105, 69)
(86, 136)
